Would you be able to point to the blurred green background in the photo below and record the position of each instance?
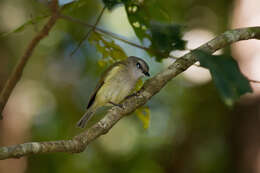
(191, 130)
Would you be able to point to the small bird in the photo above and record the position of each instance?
(115, 84)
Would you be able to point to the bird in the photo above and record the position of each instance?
(115, 84)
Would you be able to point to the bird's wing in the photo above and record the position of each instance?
(112, 69)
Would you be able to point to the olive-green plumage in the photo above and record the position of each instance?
(116, 83)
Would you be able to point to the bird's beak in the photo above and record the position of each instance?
(146, 74)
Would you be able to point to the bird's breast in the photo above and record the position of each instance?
(116, 87)
(121, 89)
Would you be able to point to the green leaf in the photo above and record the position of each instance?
(26, 24)
(149, 20)
(166, 37)
(143, 113)
(138, 18)
(142, 13)
(110, 4)
(227, 76)
(111, 52)
(74, 5)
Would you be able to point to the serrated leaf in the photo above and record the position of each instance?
(227, 76)
(111, 52)
(26, 24)
(143, 113)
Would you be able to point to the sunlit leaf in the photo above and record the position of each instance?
(227, 76)
(111, 52)
(149, 20)
(143, 113)
(138, 18)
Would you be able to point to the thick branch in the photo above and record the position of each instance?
(150, 88)
(18, 70)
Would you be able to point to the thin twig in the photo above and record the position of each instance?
(113, 35)
(88, 33)
(18, 70)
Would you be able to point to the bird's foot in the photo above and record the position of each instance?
(134, 94)
(115, 104)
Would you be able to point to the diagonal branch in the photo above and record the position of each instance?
(113, 35)
(18, 70)
(150, 88)
(88, 33)
(110, 34)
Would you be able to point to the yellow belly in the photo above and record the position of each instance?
(115, 88)
(114, 91)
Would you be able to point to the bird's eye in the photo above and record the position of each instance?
(138, 65)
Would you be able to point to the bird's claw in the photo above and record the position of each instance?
(119, 105)
(134, 94)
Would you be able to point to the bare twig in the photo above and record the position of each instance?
(18, 70)
(113, 35)
(88, 33)
(150, 88)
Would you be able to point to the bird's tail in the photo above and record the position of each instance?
(85, 118)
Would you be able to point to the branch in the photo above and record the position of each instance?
(88, 33)
(113, 35)
(150, 88)
(18, 70)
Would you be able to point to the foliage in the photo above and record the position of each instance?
(143, 113)
(226, 75)
(146, 19)
(111, 52)
(166, 38)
